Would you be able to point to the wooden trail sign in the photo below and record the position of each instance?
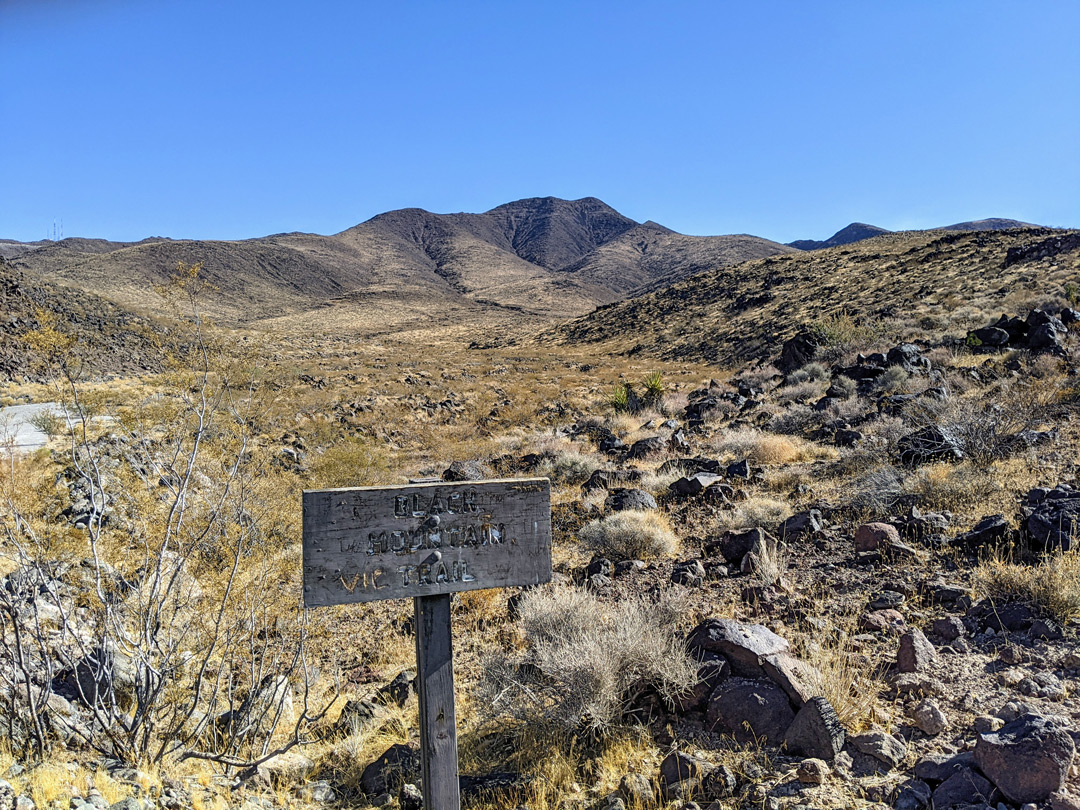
(427, 541)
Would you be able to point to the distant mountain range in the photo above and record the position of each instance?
(533, 261)
(540, 257)
(857, 231)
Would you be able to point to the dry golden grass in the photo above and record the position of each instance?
(756, 511)
(768, 448)
(1051, 584)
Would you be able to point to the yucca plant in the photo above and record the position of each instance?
(654, 389)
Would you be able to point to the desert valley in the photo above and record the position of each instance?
(814, 513)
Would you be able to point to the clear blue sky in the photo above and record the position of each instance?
(234, 119)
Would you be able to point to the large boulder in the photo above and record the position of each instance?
(743, 645)
(798, 351)
(1052, 517)
(816, 731)
(752, 711)
(1028, 759)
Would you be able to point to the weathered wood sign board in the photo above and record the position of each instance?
(427, 541)
(371, 543)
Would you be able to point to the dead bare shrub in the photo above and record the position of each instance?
(162, 621)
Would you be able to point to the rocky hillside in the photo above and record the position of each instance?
(110, 340)
(745, 311)
(534, 258)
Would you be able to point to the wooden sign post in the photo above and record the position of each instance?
(427, 541)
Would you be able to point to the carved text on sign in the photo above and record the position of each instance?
(370, 543)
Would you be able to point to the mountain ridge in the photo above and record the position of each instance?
(539, 257)
(857, 231)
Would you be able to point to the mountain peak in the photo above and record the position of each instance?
(855, 232)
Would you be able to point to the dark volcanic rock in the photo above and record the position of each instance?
(694, 484)
(988, 336)
(916, 654)
(750, 710)
(398, 764)
(885, 748)
(1052, 517)
(743, 645)
(1028, 759)
(964, 788)
(991, 529)
(466, 471)
(803, 524)
(619, 500)
(734, 545)
(875, 536)
(690, 573)
(816, 731)
(798, 351)
(909, 357)
(643, 448)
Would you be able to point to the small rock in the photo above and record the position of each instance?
(881, 746)
(1060, 800)
(690, 573)
(637, 790)
(394, 767)
(916, 653)
(929, 717)
(918, 683)
(678, 766)
(410, 797)
(883, 621)
(812, 772)
(816, 731)
(949, 628)
(800, 525)
(939, 767)
(719, 783)
(965, 787)
(621, 500)
(987, 724)
(875, 536)
(911, 795)
(886, 600)
(288, 767)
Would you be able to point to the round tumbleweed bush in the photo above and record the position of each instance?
(630, 535)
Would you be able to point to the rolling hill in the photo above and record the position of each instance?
(745, 311)
(857, 231)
